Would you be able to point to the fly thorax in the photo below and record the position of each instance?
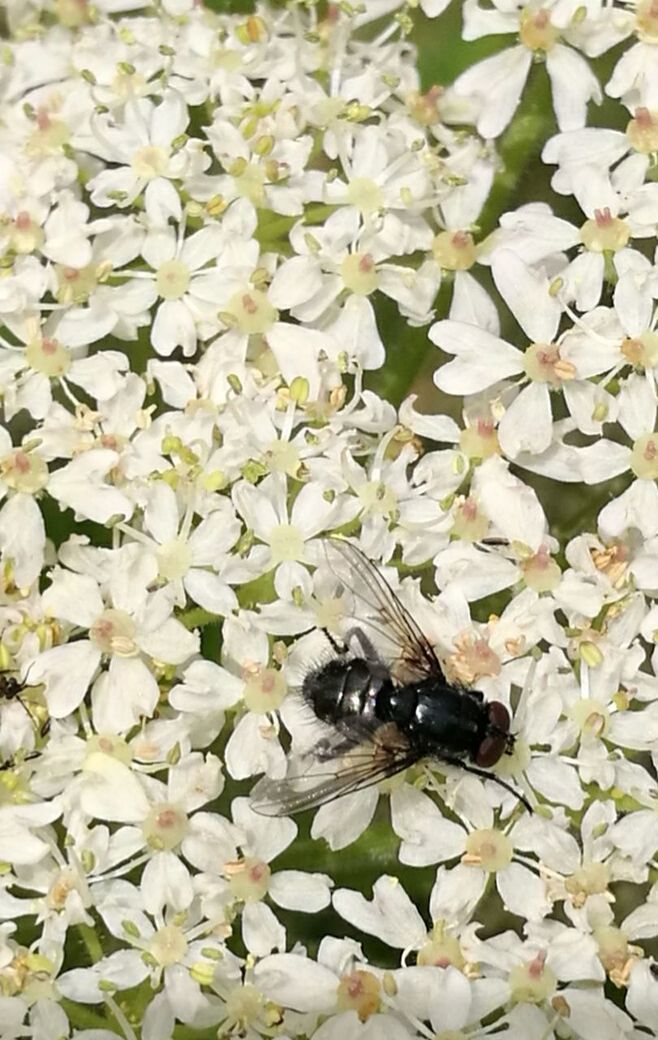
(448, 720)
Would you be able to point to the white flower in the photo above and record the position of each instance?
(287, 536)
(497, 83)
(143, 146)
(129, 625)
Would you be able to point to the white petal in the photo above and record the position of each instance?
(166, 883)
(481, 359)
(342, 821)
(261, 931)
(296, 982)
(450, 1000)
(22, 538)
(472, 304)
(67, 672)
(73, 597)
(557, 781)
(295, 282)
(297, 890)
(124, 694)
(390, 916)
(456, 893)
(496, 83)
(427, 837)
(264, 837)
(80, 485)
(527, 425)
(526, 293)
(511, 505)
(523, 893)
(172, 643)
(111, 791)
(574, 84)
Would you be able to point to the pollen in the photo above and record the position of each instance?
(473, 659)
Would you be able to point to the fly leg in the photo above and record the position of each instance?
(338, 647)
(366, 647)
(450, 761)
(368, 650)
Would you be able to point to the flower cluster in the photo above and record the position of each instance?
(199, 217)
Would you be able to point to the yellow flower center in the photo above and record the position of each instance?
(48, 356)
(359, 273)
(24, 471)
(488, 849)
(168, 946)
(533, 982)
(165, 826)
(113, 632)
(249, 879)
(543, 364)
(536, 31)
(644, 457)
(359, 991)
(454, 250)
(642, 131)
(172, 280)
(251, 311)
(365, 195)
(265, 690)
(604, 233)
(149, 162)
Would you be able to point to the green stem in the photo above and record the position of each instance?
(91, 941)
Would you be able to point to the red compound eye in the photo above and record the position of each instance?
(499, 716)
(493, 746)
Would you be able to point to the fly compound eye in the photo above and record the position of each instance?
(493, 747)
(498, 716)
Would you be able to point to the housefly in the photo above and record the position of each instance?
(384, 702)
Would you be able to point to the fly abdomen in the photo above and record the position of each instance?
(341, 688)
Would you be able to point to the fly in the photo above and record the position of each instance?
(383, 710)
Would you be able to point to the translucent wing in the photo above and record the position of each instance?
(377, 606)
(335, 767)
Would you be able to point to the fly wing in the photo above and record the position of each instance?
(409, 652)
(333, 768)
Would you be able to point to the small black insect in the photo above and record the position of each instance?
(383, 710)
(10, 688)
